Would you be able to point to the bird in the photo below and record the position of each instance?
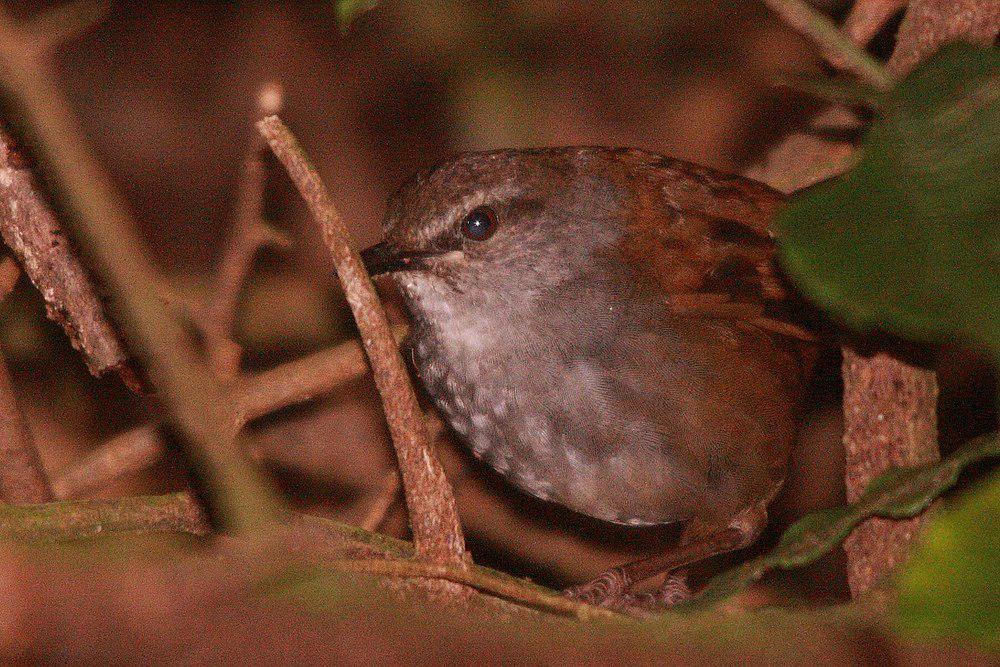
(607, 329)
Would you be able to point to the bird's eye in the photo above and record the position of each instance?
(480, 224)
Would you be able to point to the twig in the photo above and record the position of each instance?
(237, 495)
(807, 20)
(511, 589)
(867, 17)
(301, 380)
(251, 397)
(127, 453)
(22, 477)
(249, 234)
(31, 231)
(175, 512)
(431, 503)
(385, 498)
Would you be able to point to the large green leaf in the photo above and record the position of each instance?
(909, 240)
(951, 585)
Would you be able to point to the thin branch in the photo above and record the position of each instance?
(867, 17)
(248, 236)
(431, 503)
(176, 512)
(32, 232)
(301, 380)
(127, 453)
(805, 19)
(22, 477)
(521, 592)
(251, 397)
(235, 490)
(385, 498)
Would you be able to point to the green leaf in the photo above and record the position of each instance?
(899, 493)
(951, 585)
(909, 240)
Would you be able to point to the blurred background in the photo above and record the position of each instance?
(166, 90)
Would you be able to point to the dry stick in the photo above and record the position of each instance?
(385, 498)
(833, 43)
(890, 407)
(238, 496)
(127, 453)
(171, 513)
(31, 230)
(523, 593)
(248, 235)
(431, 503)
(867, 17)
(252, 397)
(22, 478)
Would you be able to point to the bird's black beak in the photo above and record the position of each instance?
(380, 258)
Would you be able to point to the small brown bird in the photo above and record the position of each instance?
(606, 328)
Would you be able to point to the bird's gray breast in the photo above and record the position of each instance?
(538, 412)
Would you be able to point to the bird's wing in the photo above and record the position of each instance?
(705, 237)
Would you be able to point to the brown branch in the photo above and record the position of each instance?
(833, 44)
(301, 380)
(867, 17)
(127, 453)
(176, 512)
(385, 497)
(510, 589)
(22, 477)
(251, 397)
(431, 503)
(236, 492)
(248, 236)
(31, 231)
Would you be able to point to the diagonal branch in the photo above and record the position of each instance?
(103, 227)
(249, 234)
(431, 503)
(834, 45)
(30, 229)
(867, 17)
(252, 397)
